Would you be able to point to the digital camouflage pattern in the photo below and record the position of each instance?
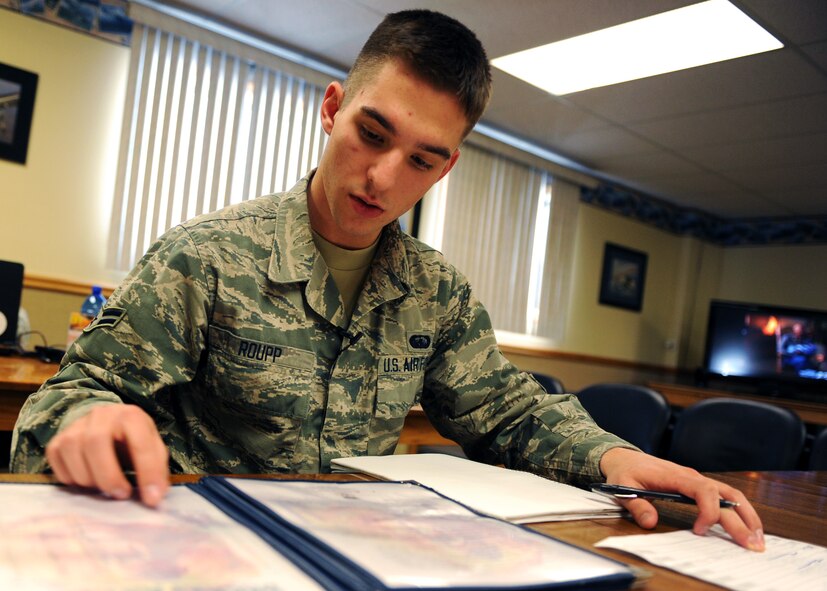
(230, 333)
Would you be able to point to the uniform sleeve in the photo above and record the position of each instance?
(499, 415)
(152, 337)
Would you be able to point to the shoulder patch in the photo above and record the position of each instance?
(107, 318)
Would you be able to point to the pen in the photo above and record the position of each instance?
(627, 492)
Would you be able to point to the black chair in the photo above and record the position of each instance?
(818, 454)
(636, 413)
(721, 434)
(551, 384)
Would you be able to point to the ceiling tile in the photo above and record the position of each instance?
(801, 149)
(806, 23)
(647, 166)
(757, 78)
(807, 114)
(804, 176)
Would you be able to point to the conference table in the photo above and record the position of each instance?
(791, 504)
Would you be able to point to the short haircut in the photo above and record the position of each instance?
(437, 48)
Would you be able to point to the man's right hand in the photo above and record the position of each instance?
(89, 451)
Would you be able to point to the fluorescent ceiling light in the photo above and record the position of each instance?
(695, 35)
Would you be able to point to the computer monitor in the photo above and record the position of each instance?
(776, 349)
(11, 290)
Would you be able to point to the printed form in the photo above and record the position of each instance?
(715, 558)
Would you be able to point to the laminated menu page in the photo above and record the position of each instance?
(234, 533)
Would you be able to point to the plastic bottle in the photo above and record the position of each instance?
(88, 310)
(93, 303)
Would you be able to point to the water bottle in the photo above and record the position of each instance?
(93, 304)
(88, 310)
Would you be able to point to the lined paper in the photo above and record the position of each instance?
(715, 558)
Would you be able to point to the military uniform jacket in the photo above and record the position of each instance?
(231, 335)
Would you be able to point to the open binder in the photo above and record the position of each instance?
(336, 536)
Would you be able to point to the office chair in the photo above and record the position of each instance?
(636, 413)
(818, 454)
(720, 434)
(551, 384)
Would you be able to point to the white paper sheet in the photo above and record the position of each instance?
(715, 558)
(53, 538)
(519, 497)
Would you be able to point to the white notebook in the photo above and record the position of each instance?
(519, 497)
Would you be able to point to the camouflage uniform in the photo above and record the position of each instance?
(231, 335)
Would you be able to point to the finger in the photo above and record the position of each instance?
(103, 464)
(643, 512)
(149, 457)
(69, 448)
(61, 471)
(752, 539)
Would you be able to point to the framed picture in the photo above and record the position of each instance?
(623, 277)
(17, 89)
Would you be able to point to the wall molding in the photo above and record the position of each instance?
(705, 226)
(64, 286)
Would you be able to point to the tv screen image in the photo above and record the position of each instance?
(767, 342)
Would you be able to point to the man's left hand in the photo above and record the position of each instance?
(633, 468)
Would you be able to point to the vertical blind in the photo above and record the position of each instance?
(488, 230)
(204, 129)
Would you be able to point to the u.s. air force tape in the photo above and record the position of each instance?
(107, 318)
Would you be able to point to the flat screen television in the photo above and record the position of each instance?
(776, 350)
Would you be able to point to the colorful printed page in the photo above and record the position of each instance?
(57, 538)
(408, 536)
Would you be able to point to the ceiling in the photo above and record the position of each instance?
(741, 139)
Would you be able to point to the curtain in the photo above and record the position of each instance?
(204, 128)
(488, 230)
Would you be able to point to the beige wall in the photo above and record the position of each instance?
(655, 335)
(55, 209)
(683, 275)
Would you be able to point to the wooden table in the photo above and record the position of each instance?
(791, 504)
(19, 377)
(682, 396)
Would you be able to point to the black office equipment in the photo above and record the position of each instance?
(772, 350)
(11, 290)
(733, 434)
(636, 413)
(551, 384)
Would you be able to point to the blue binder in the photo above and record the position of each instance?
(290, 516)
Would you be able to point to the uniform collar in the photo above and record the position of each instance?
(295, 255)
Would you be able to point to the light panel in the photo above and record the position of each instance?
(695, 35)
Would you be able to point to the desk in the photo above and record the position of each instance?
(791, 504)
(682, 396)
(19, 377)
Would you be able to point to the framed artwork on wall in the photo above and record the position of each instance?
(17, 90)
(623, 277)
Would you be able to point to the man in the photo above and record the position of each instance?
(276, 335)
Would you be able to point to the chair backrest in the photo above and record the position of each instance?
(720, 434)
(636, 413)
(551, 384)
(818, 454)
